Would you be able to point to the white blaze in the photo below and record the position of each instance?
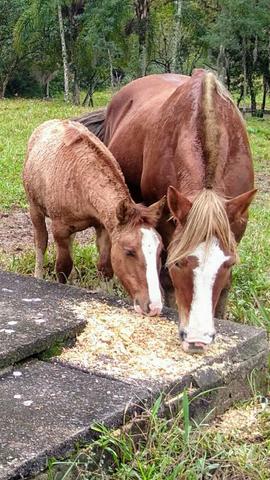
(150, 243)
(201, 325)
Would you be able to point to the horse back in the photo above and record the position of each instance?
(162, 132)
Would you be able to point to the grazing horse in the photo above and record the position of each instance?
(72, 178)
(185, 137)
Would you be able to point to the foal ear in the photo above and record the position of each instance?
(156, 209)
(178, 204)
(124, 211)
(72, 135)
(237, 206)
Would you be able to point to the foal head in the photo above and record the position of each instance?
(135, 254)
(201, 255)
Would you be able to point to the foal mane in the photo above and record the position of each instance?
(207, 218)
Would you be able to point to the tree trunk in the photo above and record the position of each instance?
(7, 78)
(244, 66)
(47, 89)
(142, 9)
(75, 89)
(64, 53)
(221, 69)
(253, 105)
(111, 69)
(89, 100)
(265, 90)
(241, 93)
(4, 86)
(177, 35)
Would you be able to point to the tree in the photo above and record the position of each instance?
(241, 27)
(177, 34)
(10, 11)
(102, 45)
(64, 52)
(142, 11)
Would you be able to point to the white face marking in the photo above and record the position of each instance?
(150, 243)
(201, 315)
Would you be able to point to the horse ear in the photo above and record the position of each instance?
(156, 209)
(178, 204)
(124, 212)
(237, 207)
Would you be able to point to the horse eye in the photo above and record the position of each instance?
(229, 263)
(130, 253)
(181, 263)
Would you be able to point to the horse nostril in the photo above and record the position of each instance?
(183, 335)
(148, 309)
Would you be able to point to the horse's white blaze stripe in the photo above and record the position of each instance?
(150, 242)
(201, 315)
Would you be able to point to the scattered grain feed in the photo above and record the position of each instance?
(124, 344)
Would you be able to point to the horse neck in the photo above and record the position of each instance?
(186, 140)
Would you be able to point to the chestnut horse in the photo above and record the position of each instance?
(71, 177)
(185, 137)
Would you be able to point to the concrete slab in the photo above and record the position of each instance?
(46, 409)
(32, 317)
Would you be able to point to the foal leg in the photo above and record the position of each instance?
(40, 238)
(103, 244)
(63, 240)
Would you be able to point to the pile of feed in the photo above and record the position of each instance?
(246, 422)
(123, 344)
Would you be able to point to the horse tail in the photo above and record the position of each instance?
(94, 121)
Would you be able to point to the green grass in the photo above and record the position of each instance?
(259, 134)
(250, 294)
(158, 448)
(18, 118)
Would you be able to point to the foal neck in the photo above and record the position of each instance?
(102, 184)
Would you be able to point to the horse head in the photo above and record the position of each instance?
(135, 254)
(201, 256)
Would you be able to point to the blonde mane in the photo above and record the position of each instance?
(210, 131)
(207, 218)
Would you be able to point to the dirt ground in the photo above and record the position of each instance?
(16, 229)
(16, 233)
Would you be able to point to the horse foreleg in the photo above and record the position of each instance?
(63, 240)
(103, 244)
(167, 286)
(40, 238)
(221, 308)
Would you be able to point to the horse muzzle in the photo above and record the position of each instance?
(149, 309)
(196, 344)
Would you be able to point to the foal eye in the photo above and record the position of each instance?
(130, 253)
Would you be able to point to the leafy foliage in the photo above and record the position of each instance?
(114, 41)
